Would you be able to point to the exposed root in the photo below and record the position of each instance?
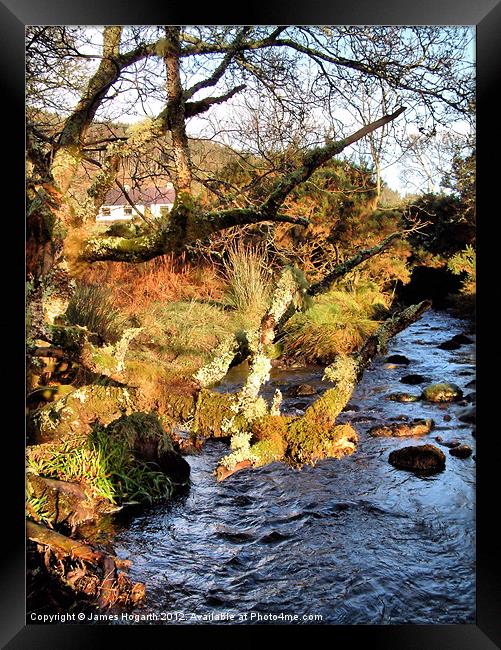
(85, 570)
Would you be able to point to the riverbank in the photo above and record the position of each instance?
(353, 540)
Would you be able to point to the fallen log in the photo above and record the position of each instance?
(314, 435)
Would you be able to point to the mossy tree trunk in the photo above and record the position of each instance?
(315, 435)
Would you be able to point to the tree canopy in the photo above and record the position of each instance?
(288, 98)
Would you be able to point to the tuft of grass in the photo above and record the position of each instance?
(177, 339)
(37, 506)
(249, 278)
(92, 306)
(106, 465)
(338, 323)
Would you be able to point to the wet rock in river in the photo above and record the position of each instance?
(455, 342)
(468, 415)
(443, 392)
(414, 379)
(351, 408)
(363, 418)
(461, 451)
(447, 443)
(301, 390)
(449, 345)
(462, 339)
(402, 397)
(471, 384)
(397, 358)
(415, 428)
(421, 458)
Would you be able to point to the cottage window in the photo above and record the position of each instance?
(128, 210)
(106, 211)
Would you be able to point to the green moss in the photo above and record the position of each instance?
(103, 360)
(211, 411)
(268, 451)
(274, 351)
(315, 435)
(179, 407)
(74, 413)
(267, 427)
(269, 437)
(444, 392)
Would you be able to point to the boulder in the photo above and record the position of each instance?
(77, 412)
(448, 443)
(455, 342)
(351, 408)
(443, 392)
(462, 339)
(421, 458)
(449, 345)
(415, 428)
(301, 390)
(398, 359)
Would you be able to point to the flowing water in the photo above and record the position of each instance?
(351, 541)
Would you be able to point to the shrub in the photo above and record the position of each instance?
(91, 306)
(465, 262)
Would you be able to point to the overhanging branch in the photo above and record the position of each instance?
(195, 108)
(315, 158)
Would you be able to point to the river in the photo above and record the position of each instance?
(350, 541)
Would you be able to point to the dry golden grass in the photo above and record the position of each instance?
(164, 279)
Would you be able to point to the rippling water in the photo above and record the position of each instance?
(352, 540)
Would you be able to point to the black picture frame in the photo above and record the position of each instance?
(14, 15)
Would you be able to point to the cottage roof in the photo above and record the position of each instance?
(138, 196)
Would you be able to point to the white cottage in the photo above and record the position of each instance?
(117, 208)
